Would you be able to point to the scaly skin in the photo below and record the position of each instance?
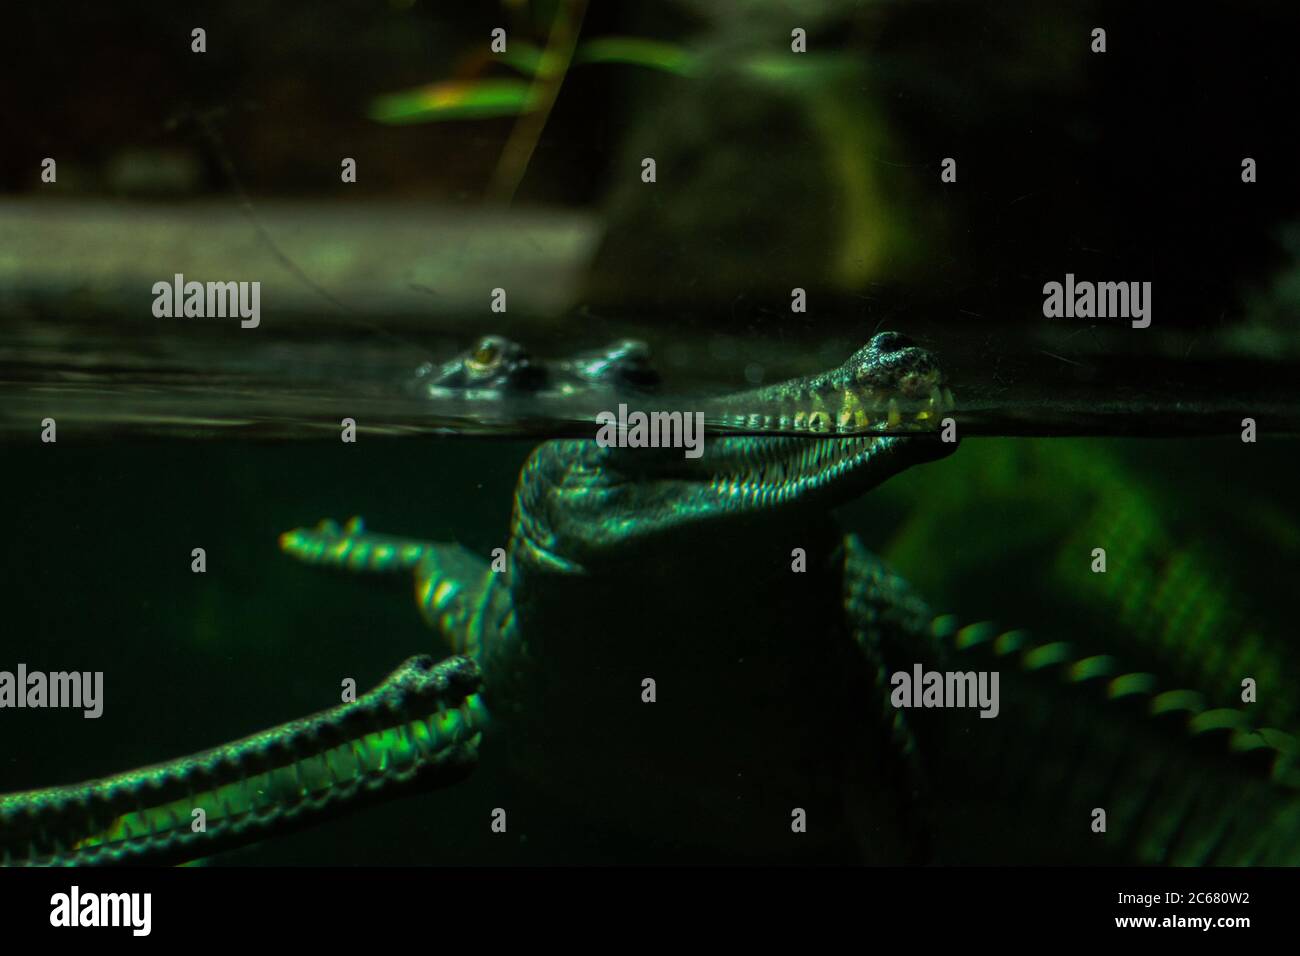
(1174, 585)
(420, 728)
(632, 563)
(497, 369)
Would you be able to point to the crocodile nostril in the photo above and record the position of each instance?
(890, 342)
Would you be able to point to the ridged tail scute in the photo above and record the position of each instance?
(419, 729)
(1187, 783)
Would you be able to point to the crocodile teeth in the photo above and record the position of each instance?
(895, 416)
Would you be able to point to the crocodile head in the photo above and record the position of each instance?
(498, 369)
(494, 365)
(813, 443)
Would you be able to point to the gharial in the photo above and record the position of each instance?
(770, 639)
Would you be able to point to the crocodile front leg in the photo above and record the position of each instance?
(885, 618)
(419, 729)
(456, 591)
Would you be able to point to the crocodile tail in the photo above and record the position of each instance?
(417, 730)
(1180, 780)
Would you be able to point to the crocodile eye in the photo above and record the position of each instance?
(486, 355)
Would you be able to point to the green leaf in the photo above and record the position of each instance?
(455, 100)
(649, 53)
(527, 58)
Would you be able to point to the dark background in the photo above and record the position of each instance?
(1124, 165)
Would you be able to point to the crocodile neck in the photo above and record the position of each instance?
(659, 542)
(720, 581)
(742, 653)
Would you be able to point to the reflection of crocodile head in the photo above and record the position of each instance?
(499, 369)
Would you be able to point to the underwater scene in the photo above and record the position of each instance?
(548, 432)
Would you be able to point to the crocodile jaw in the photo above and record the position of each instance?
(579, 506)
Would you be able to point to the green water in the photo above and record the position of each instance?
(925, 168)
(97, 552)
